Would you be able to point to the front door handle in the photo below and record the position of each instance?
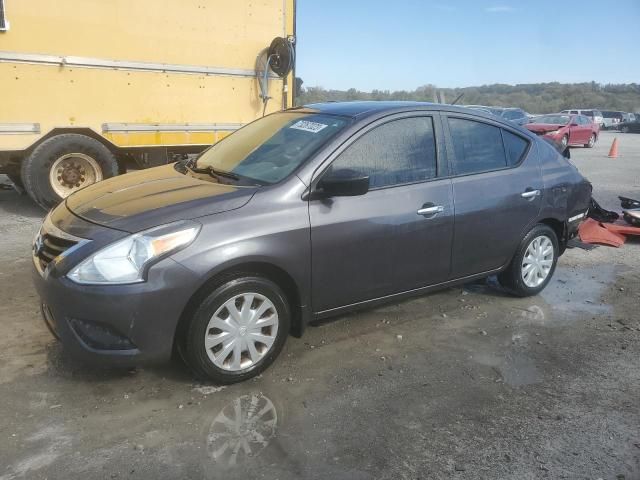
(429, 211)
(530, 193)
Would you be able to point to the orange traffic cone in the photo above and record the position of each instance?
(613, 153)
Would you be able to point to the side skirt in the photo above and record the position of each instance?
(399, 296)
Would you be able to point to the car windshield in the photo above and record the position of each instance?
(552, 119)
(269, 149)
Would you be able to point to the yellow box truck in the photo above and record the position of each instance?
(88, 86)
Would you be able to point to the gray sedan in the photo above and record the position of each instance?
(301, 215)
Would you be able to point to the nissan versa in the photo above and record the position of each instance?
(297, 216)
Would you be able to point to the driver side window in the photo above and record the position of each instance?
(398, 152)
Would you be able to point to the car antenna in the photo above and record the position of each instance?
(457, 98)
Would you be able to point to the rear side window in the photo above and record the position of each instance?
(514, 146)
(588, 113)
(478, 146)
(398, 152)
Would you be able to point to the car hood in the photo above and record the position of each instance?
(148, 198)
(542, 128)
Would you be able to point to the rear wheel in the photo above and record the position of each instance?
(64, 164)
(624, 129)
(592, 141)
(237, 331)
(534, 263)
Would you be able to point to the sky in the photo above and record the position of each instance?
(403, 44)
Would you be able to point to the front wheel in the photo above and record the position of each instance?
(533, 265)
(592, 141)
(624, 129)
(237, 331)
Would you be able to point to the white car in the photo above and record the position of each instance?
(594, 115)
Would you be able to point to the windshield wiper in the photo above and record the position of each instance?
(214, 172)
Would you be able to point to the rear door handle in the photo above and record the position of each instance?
(530, 193)
(428, 211)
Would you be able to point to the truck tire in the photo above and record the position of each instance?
(64, 164)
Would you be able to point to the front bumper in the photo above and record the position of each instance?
(117, 324)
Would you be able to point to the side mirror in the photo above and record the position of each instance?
(342, 183)
(573, 125)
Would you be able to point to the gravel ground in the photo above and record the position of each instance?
(466, 383)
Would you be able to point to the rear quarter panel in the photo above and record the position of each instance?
(566, 192)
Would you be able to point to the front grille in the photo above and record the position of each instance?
(48, 247)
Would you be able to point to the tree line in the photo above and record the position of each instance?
(534, 97)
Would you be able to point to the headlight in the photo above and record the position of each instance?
(126, 260)
(555, 132)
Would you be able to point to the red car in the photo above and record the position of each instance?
(566, 129)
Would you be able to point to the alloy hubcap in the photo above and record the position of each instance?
(72, 172)
(537, 261)
(241, 332)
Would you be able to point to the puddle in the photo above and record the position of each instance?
(579, 291)
(515, 369)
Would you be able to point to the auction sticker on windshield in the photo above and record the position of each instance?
(308, 126)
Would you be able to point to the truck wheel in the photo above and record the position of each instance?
(64, 164)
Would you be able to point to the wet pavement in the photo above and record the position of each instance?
(465, 383)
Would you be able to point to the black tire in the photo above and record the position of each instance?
(36, 167)
(512, 278)
(191, 345)
(625, 129)
(592, 141)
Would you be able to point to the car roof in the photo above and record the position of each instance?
(360, 109)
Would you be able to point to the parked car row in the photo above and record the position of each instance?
(602, 119)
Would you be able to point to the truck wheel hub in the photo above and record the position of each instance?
(73, 171)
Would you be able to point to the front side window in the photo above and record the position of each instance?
(268, 150)
(397, 152)
(477, 146)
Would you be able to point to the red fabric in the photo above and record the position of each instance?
(622, 227)
(591, 231)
